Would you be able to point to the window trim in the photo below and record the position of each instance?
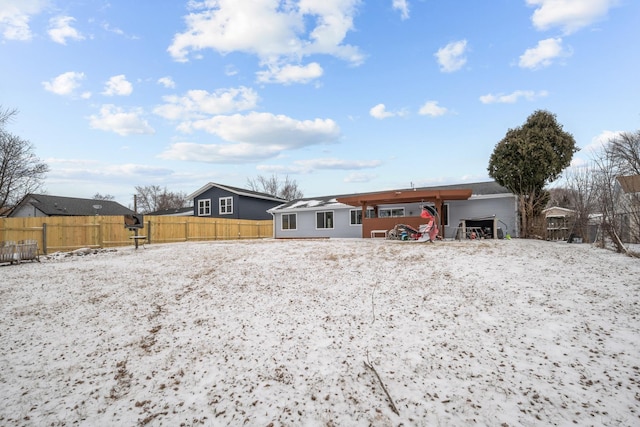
(229, 200)
(397, 208)
(325, 220)
(294, 215)
(370, 214)
(204, 207)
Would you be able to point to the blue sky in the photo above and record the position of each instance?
(342, 96)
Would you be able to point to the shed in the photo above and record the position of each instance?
(559, 222)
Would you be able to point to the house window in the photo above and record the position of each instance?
(356, 215)
(445, 214)
(226, 205)
(324, 219)
(289, 221)
(204, 207)
(390, 212)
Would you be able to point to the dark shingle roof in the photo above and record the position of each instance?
(235, 190)
(173, 211)
(71, 206)
(477, 188)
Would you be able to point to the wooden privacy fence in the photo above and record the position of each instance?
(55, 234)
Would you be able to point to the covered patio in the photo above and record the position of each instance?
(375, 200)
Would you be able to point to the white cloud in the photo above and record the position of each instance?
(513, 97)
(451, 57)
(269, 129)
(290, 74)
(403, 7)
(577, 162)
(569, 15)
(380, 112)
(77, 168)
(115, 119)
(167, 82)
(252, 137)
(65, 83)
(15, 16)
(543, 54)
(118, 85)
(60, 29)
(219, 153)
(584, 158)
(275, 31)
(431, 108)
(600, 141)
(355, 178)
(336, 164)
(199, 103)
(310, 165)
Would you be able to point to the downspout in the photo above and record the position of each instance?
(273, 224)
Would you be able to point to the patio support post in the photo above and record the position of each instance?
(364, 214)
(438, 204)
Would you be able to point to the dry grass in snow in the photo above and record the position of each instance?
(261, 333)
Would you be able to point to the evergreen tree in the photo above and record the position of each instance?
(530, 157)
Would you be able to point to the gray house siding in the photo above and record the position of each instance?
(503, 207)
(254, 208)
(306, 223)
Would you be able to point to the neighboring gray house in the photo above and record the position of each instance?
(38, 205)
(223, 201)
(481, 204)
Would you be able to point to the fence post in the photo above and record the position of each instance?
(44, 238)
(100, 234)
(149, 231)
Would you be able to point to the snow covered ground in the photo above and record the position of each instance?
(259, 333)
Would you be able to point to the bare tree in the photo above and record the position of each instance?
(609, 194)
(582, 197)
(153, 198)
(287, 189)
(625, 153)
(21, 172)
(99, 196)
(6, 114)
(559, 196)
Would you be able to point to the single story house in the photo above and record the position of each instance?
(223, 201)
(485, 205)
(41, 205)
